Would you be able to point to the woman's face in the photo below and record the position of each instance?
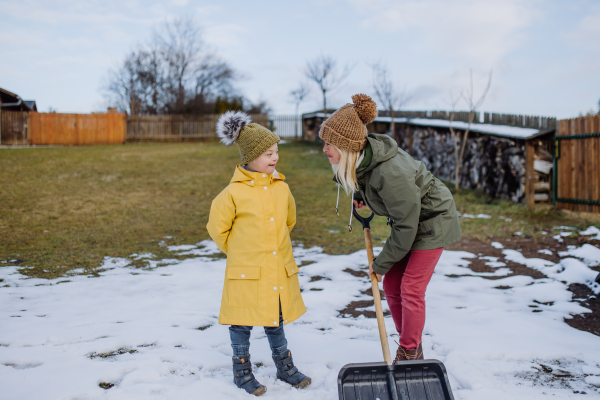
(333, 154)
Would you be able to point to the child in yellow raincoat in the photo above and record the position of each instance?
(251, 221)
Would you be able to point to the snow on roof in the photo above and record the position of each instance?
(513, 132)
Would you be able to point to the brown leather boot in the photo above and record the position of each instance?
(403, 354)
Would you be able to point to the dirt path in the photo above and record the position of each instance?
(529, 247)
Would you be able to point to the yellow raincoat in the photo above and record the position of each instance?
(251, 221)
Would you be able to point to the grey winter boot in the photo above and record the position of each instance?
(287, 372)
(244, 378)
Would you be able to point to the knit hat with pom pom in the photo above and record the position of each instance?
(346, 128)
(253, 139)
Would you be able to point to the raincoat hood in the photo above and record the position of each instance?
(242, 175)
(383, 148)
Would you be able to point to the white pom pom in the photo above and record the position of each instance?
(230, 124)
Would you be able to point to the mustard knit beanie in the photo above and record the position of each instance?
(346, 128)
(253, 139)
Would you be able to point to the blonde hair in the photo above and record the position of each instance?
(345, 171)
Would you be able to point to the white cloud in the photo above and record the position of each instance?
(224, 35)
(481, 31)
(587, 33)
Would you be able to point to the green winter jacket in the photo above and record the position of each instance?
(420, 208)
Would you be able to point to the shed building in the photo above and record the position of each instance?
(498, 158)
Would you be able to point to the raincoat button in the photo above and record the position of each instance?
(274, 322)
(272, 219)
(286, 321)
(265, 188)
(251, 181)
(292, 270)
(264, 176)
(274, 252)
(281, 288)
(243, 276)
(275, 288)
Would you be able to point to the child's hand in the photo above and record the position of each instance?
(358, 206)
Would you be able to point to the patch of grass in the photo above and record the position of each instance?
(204, 327)
(65, 208)
(509, 218)
(112, 353)
(106, 385)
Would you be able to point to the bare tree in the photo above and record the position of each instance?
(473, 106)
(180, 45)
(389, 95)
(175, 72)
(298, 95)
(123, 87)
(324, 72)
(453, 102)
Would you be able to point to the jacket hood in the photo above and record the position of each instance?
(248, 177)
(384, 148)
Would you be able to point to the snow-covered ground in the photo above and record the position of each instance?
(153, 333)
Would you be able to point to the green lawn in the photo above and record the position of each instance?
(65, 208)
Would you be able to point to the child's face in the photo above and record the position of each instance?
(266, 161)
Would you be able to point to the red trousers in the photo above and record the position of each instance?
(404, 286)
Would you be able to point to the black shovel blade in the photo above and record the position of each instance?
(406, 380)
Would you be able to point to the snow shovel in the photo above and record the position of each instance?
(404, 380)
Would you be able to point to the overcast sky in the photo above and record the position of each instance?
(545, 54)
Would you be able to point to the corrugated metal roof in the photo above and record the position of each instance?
(513, 132)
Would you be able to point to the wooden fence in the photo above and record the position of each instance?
(525, 121)
(14, 128)
(201, 127)
(577, 164)
(76, 129)
(25, 128)
(178, 127)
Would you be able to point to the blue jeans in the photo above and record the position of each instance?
(240, 338)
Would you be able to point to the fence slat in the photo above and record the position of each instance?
(201, 127)
(578, 170)
(14, 128)
(76, 129)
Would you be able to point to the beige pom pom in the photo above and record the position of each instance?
(365, 107)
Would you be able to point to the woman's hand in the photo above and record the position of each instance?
(371, 272)
(358, 206)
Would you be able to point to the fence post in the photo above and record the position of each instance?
(529, 174)
(181, 128)
(0, 125)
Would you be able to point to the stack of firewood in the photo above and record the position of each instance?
(492, 164)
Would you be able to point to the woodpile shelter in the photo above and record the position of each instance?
(13, 124)
(12, 102)
(506, 156)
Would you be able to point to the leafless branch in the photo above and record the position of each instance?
(389, 95)
(324, 72)
(299, 94)
(473, 107)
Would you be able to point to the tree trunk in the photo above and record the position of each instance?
(454, 136)
(462, 149)
(296, 121)
(324, 106)
(392, 126)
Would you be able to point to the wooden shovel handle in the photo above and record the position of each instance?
(385, 347)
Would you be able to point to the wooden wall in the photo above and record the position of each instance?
(578, 165)
(178, 127)
(76, 129)
(14, 128)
